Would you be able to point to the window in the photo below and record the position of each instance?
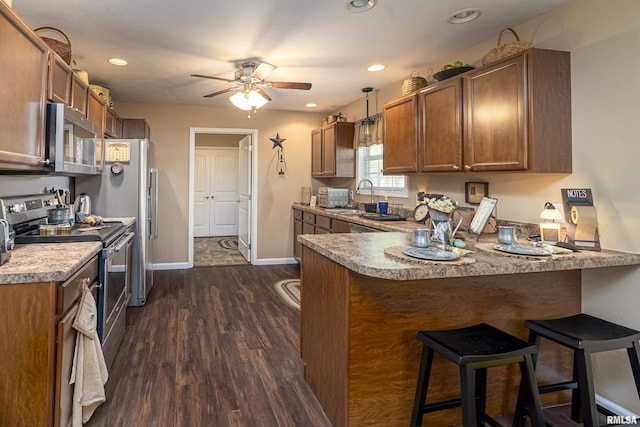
(370, 167)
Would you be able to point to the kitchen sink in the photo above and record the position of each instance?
(383, 217)
(343, 211)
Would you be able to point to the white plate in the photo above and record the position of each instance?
(521, 250)
(432, 254)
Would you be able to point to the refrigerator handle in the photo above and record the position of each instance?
(153, 200)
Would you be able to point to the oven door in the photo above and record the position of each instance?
(115, 280)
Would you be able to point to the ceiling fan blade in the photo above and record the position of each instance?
(290, 85)
(220, 92)
(263, 93)
(263, 70)
(211, 77)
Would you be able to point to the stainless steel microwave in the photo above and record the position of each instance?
(71, 141)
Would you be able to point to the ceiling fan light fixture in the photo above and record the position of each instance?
(464, 16)
(249, 100)
(359, 6)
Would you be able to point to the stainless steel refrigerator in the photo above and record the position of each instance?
(128, 187)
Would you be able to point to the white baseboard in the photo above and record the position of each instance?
(185, 265)
(274, 261)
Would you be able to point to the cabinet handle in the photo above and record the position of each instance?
(45, 162)
(467, 167)
(456, 167)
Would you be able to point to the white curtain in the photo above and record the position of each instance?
(368, 131)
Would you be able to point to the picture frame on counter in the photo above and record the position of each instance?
(482, 215)
(475, 191)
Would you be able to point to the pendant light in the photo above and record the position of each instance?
(367, 124)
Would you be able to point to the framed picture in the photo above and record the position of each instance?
(475, 191)
(483, 213)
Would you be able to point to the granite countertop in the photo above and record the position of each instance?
(407, 225)
(364, 253)
(47, 262)
(126, 220)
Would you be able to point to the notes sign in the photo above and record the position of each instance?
(487, 204)
(581, 218)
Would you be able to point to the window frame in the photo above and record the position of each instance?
(361, 157)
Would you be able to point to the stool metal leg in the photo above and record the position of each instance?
(468, 389)
(576, 403)
(519, 416)
(586, 388)
(481, 394)
(422, 386)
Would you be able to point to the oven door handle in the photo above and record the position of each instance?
(122, 242)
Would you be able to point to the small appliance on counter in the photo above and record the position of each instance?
(329, 197)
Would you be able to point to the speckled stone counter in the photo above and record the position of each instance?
(46, 262)
(356, 219)
(364, 253)
(127, 220)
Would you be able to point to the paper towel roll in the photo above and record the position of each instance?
(586, 221)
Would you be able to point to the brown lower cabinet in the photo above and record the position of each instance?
(310, 223)
(36, 348)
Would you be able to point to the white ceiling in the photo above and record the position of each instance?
(310, 41)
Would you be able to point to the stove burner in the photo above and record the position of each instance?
(105, 235)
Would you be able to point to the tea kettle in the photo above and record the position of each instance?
(82, 204)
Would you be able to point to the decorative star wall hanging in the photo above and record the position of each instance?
(281, 165)
(277, 141)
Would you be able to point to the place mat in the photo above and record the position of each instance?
(395, 252)
(488, 247)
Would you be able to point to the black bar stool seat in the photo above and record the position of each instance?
(474, 349)
(585, 335)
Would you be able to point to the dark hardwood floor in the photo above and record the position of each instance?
(217, 347)
(212, 347)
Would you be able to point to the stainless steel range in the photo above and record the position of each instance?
(27, 214)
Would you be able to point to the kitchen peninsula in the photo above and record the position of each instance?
(361, 310)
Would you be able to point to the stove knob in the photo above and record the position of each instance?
(16, 208)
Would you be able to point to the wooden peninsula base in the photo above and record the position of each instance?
(358, 337)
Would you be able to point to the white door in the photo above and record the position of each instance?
(216, 192)
(244, 196)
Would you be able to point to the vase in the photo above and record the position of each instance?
(442, 225)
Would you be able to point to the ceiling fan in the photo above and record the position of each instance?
(250, 76)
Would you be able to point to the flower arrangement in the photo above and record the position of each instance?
(442, 204)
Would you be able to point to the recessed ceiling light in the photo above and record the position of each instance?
(311, 105)
(358, 6)
(117, 61)
(376, 67)
(464, 15)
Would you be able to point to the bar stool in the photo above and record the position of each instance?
(586, 335)
(474, 349)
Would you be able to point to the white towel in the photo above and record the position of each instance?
(89, 371)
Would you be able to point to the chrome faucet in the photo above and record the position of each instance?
(370, 183)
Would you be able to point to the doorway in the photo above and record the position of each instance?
(221, 181)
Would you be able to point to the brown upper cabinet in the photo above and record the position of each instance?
(111, 124)
(136, 129)
(512, 115)
(79, 94)
(60, 75)
(332, 152)
(96, 113)
(25, 59)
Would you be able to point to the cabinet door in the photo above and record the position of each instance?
(96, 113)
(297, 246)
(66, 347)
(441, 127)
(496, 136)
(59, 80)
(136, 128)
(316, 152)
(400, 135)
(79, 94)
(24, 61)
(329, 151)
(111, 124)
(340, 226)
